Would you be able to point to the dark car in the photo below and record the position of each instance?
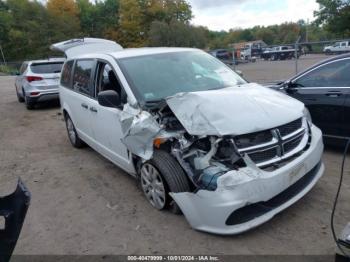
(13, 209)
(325, 90)
(221, 54)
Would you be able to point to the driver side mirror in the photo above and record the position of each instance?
(109, 98)
(290, 87)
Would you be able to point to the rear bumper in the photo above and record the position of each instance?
(46, 95)
(250, 196)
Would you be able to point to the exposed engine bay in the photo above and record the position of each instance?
(204, 158)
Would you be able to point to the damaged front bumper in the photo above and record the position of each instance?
(248, 197)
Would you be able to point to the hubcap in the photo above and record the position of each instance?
(153, 186)
(71, 131)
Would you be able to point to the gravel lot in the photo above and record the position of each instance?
(83, 204)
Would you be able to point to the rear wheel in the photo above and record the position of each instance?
(29, 104)
(19, 98)
(161, 175)
(72, 133)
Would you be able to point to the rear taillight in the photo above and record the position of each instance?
(34, 78)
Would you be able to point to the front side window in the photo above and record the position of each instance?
(155, 77)
(335, 74)
(106, 79)
(82, 77)
(67, 74)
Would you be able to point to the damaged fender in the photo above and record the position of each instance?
(139, 129)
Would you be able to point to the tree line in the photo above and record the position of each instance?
(29, 27)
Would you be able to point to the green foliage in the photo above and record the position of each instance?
(178, 34)
(7, 70)
(29, 27)
(334, 15)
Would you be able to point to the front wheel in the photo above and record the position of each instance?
(161, 175)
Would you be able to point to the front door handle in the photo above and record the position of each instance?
(84, 105)
(93, 109)
(334, 94)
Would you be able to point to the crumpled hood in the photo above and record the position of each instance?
(235, 110)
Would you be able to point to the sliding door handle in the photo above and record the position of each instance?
(84, 106)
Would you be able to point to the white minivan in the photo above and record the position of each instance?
(226, 153)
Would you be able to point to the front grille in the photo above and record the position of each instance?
(290, 127)
(262, 156)
(290, 145)
(274, 145)
(253, 139)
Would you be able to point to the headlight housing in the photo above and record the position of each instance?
(307, 115)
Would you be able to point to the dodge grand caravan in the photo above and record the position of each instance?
(201, 140)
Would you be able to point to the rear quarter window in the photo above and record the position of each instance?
(67, 74)
(46, 68)
(23, 68)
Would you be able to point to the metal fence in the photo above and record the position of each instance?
(302, 55)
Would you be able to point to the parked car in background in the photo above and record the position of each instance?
(37, 81)
(325, 90)
(278, 53)
(251, 51)
(229, 154)
(337, 48)
(222, 54)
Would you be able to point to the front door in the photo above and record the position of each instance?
(105, 122)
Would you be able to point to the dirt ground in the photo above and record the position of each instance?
(83, 204)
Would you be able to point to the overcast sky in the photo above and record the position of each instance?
(227, 14)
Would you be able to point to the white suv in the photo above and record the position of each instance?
(37, 81)
(200, 139)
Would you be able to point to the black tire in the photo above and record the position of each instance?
(29, 105)
(19, 98)
(77, 142)
(172, 174)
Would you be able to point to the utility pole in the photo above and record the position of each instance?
(296, 49)
(307, 31)
(3, 57)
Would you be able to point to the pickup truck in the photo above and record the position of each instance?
(278, 53)
(338, 47)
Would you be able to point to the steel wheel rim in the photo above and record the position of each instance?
(71, 131)
(153, 186)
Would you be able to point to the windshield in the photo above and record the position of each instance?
(46, 68)
(155, 77)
